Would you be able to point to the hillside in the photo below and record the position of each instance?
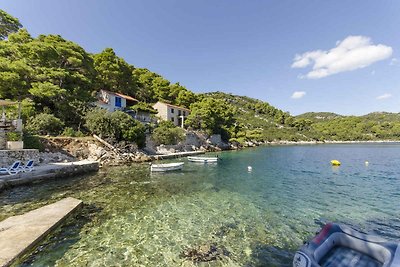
(318, 116)
(373, 126)
(260, 121)
(56, 81)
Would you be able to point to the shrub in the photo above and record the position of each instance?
(98, 121)
(14, 136)
(135, 134)
(118, 125)
(32, 142)
(44, 123)
(68, 131)
(168, 134)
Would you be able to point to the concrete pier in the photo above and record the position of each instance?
(49, 171)
(19, 234)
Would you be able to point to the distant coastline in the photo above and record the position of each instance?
(330, 142)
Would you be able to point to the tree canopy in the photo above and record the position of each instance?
(56, 81)
(113, 73)
(8, 24)
(214, 116)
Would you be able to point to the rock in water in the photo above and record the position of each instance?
(205, 253)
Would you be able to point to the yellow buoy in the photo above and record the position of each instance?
(335, 162)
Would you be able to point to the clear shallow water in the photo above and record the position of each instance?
(134, 218)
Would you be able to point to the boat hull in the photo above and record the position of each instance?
(166, 167)
(203, 159)
(341, 246)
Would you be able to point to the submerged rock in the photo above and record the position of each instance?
(205, 253)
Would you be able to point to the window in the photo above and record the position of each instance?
(172, 119)
(172, 110)
(179, 112)
(118, 101)
(184, 113)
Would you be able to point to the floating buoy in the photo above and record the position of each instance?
(249, 168)
(335, 162)
(366, 163)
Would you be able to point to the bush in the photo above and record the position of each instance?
(135, 134)
(44, 123)
(32, 142)
(14, 136)
(68, 131)
(118, 125)
(98, 121)
(168, 134)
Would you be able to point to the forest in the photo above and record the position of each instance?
(56, 81)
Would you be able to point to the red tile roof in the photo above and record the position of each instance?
(121, 95)
(127, 97)
(170, 105)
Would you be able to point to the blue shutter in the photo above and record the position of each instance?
(118, 102)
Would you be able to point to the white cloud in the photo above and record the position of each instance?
(384, 96)
(394, 62)
(298, 94)
(354, 52)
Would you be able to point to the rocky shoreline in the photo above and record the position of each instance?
(69, 149)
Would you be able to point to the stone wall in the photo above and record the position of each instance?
(7, 157)
(3, 139)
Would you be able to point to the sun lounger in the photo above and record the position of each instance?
(12, 169)
(28, 167)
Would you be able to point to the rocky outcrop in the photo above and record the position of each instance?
(194, 141)
(216, 141)
(110, 152)
(93, 149)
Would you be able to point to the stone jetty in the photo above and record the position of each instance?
(48, 171)
(19, 234)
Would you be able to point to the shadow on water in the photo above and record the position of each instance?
(21, 199)
(271, 256)
(387, 228)
(62, 238)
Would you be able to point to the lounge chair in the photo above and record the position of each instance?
(12, 169)
(28, 167)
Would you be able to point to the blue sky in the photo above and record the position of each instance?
(338, 56)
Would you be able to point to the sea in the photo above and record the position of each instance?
(220, 214)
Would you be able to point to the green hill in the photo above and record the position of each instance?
(318, 116)
(57, 79)
(373, 126)
(260, 121)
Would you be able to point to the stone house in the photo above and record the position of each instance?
(168, 112)
(114, 101)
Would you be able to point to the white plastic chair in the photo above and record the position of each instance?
(12, 169)
(28, 167)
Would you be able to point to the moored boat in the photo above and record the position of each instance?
(203, 159)
(341, 246)
(166, 167)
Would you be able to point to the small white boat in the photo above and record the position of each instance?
(166, 167)
(203, 159)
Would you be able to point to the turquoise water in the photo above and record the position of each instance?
(258, 218)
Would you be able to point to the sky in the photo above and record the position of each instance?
(299, 56)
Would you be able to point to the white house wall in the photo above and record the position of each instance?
(164, 112)
(110, 106)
